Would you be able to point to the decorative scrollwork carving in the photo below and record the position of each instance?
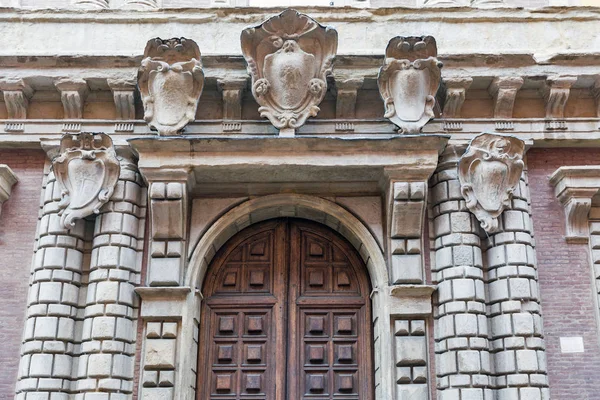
(289, 57)
(171, 82)
(87, 170)
(408, 81)
(489, 173)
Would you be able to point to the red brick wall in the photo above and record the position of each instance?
(566, 280)
(18, 223)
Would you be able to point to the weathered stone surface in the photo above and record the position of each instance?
(409, 80)
(86, 170)
(489, 172)
(289, 58)
(171, 82)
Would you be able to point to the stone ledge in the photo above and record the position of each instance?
(163, 302)
(411, 300)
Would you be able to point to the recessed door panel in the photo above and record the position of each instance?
(286, 317)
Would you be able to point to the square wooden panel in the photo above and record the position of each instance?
(255, 325)
(252, 383)
(259, 250)
(255, 354)
(258, 279)
(226, 325)
(316, 354)
(345, 353)
(344, 324)
(225, 353)
(345, 382)
(316, 325)
(316, 383)
(224, 382)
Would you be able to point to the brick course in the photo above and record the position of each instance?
(566, 280)
(17, 234)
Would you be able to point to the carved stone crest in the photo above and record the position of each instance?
(409, 80)
(289, 57)
(87, 171)
(489, 173)
(171, 82)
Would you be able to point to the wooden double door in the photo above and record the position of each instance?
(286, 316)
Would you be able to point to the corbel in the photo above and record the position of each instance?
(123, 91)
(504, 91)
(456, 91)
(73, 93)
(233, 91)
(556, 93)
(169, 208)
(7, 181)
(405, 214)
(17, 94)
(575, 187)
(346, 93)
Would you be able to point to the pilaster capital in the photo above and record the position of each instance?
(456, 91)
(575, 187)
(556, 93)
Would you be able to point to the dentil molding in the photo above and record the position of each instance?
(575, 187)
(171, 80)
(408, 81)
(87, 171)
(489, 173)
(289, 57)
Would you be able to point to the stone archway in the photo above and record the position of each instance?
(183, 303)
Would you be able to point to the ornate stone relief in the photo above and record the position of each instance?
(87, 170)
(171, 82)
(409, 80)
(289, 57)
(489, 172)
(91, 3)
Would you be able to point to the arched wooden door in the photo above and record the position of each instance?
(286, 316)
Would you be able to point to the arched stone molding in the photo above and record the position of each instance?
(288, 205)
(182, 304)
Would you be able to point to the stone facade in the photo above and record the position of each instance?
(139, 137)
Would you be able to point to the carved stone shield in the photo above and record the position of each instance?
(87, 171)
(289, 57)
(489, 173)
(171, 82)
(409, 80)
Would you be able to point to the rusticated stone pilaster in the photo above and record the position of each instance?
(514, 315)
(50, 339)
(109, 329)
(461, 332)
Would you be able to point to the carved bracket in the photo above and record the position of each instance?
(289, 58)
(556, 93)
(456, 92)
(596, 94)
(123, 93)
(233, 90)
(171, 82)
(575, 187)
(346, 91)
(504, 91)
(17, 94)
(409, 80)
(73, 93)
(489, 173)
(87, 171)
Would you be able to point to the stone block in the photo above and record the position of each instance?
(498, 290)
(62, 366)
(462, 255)
(160, 353)
(523, 324)
(519, 288)
(411, 350)
(164, 272)
(46, 327)
(466, 324)
(103, 328)
(463, 289)
(407, 268)
(412, 392)
(527, 361)
(447, 363)
(99, 365)
(157, 394)
(122, 366)
(107, 292)
(505, 362)
(468, 361)
(41, 365)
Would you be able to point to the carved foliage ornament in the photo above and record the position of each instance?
(289, 57)
(87, 171)
(171, 82)
(408, 81)
(489, 173)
